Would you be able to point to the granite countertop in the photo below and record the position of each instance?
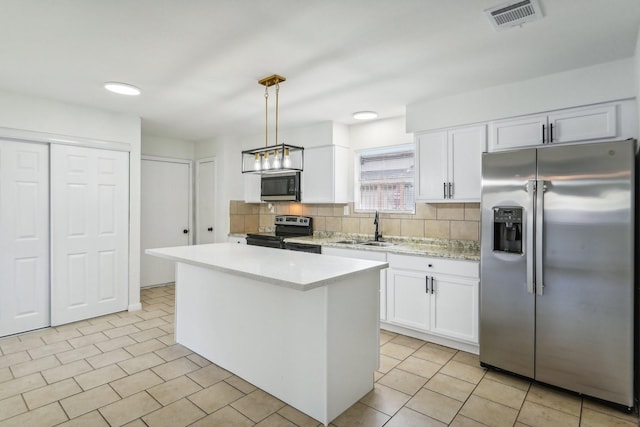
(296, 270)
(455, 249)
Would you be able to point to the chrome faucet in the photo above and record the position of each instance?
(376, 220)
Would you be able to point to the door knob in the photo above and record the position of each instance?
(210, 229)
(185, 231)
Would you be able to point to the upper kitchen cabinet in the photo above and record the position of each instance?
(601, 122)
(449, 164)
(326, 178)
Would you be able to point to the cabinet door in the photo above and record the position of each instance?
(465, 162)
(408, 302)
(325, 175)
(582, 124)
(454, 307)
(432, 166)
(518, 132)
(251, 187)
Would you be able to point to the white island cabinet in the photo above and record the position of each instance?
(303, 327)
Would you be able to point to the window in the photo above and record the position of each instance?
(384, 179)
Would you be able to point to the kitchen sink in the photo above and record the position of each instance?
(374, 243)
(350, 242)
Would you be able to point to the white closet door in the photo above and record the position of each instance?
(165, 206)
(205, 199)
(90, 229)
(24, 237)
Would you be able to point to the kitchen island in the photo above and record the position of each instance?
(302, 327)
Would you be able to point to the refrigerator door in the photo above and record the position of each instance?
(584, 312)
(507, 301)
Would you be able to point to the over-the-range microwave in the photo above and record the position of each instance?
(280, 187)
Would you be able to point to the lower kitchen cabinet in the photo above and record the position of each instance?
(434, 296)
(408, 300)
(371, 256)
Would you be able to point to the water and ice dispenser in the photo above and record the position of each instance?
(507, 229)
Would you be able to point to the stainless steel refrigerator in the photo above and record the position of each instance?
(557, 266)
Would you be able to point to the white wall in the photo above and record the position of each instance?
(153, 145)
(379, 133)
(598, 83)
(32, 116)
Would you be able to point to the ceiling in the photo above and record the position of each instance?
(198, 61)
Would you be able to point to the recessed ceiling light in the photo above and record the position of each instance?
(365, 115)
(122, 88)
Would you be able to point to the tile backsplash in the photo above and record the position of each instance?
(456, 221)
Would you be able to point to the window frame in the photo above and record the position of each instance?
(357, 176)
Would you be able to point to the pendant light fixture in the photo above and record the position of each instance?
(272, 158)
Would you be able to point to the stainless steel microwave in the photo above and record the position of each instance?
(280, 187)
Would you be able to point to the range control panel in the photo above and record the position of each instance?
(295, 220)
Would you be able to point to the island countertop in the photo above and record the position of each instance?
(297, 270)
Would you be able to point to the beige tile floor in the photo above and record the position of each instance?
(125, 369)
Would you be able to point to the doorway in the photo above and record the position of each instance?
(205, 200)
(166, 213)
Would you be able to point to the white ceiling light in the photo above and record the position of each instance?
(122, 88)
(365, 115)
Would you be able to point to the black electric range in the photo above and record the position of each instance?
(286, 226)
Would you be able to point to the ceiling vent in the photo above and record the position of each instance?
(513, 14)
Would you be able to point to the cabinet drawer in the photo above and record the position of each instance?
(434, 265)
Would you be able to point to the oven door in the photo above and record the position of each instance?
(268, 242)
(303, 247)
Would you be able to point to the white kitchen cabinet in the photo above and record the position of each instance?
(434, 296)
(454, 307)
(371, 256)
(449, 164)
(325, 177)
(601, 122)
(237, 239)
(251, 187)
(409, 301)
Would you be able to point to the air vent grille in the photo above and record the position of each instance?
(513, 14)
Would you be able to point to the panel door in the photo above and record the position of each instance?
(519, 132)
(583, 124)
(507, 306)
(165, 216)
(90, 232)
(24, 237)
(454, 307)
(432, 166)
(585, 311)
(205, 200)
(465, 162)
(408, 302)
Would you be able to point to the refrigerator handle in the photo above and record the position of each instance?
(529, 237)
(541, 187)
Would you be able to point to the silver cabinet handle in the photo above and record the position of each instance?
(444, 190)
(528, 237)
(541, 188)
(451, 190)
(426, 284)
